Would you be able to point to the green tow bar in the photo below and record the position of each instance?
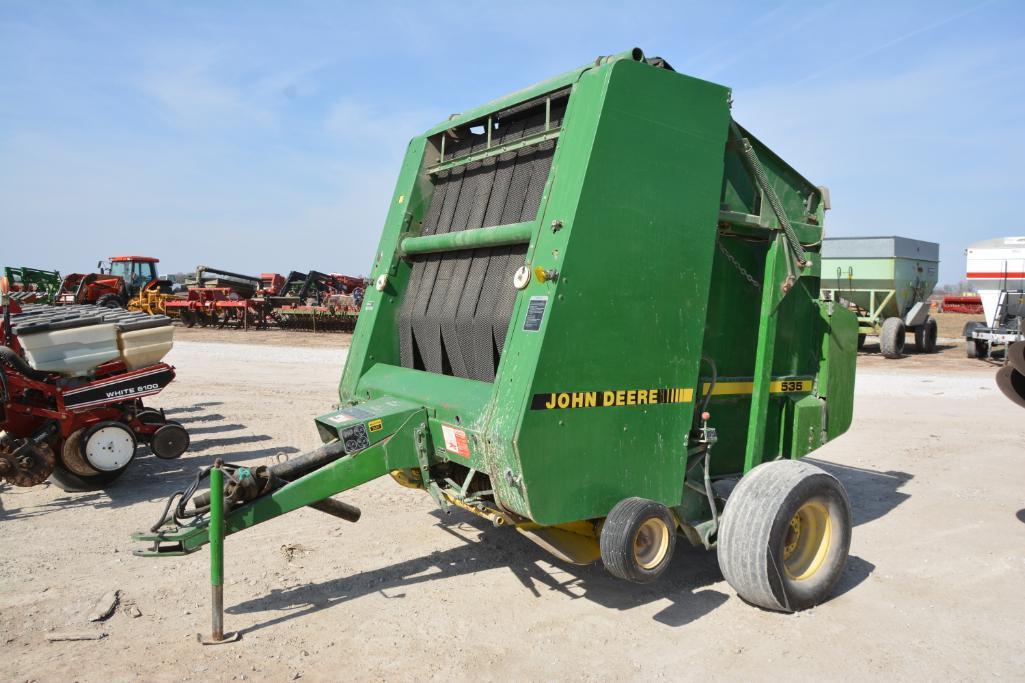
(216, 530)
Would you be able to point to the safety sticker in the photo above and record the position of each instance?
(375, 425)
(610, 398)
(355, 438)
(340, 418)
(455, 441)
(535, 313)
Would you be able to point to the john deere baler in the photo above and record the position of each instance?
(596, 319)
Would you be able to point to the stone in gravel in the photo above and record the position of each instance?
(105, 606)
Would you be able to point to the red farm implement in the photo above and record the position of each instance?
(318, 302)
(962, 304)
(72, 384)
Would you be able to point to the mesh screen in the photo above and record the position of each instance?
(456, 309)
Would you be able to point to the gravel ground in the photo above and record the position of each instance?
(933, 588)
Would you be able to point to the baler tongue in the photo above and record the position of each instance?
(364, 442)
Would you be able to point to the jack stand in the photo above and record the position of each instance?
(217, 635)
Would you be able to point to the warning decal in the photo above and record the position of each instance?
(535, 313)
(455, 441)
(609, 398)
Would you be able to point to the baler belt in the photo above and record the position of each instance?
(456, 309)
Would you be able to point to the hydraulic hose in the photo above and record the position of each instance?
(15, 362)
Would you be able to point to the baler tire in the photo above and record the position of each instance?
(109, 300)
(760, 532)
(861, 341)
(628, 524)
(169, 441)
(925, 336)
(892, 338)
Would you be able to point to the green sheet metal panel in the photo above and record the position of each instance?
(637, 190)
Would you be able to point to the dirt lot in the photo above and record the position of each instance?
(933, 590)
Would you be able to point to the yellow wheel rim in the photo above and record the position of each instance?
(651, 543)
(807, 539)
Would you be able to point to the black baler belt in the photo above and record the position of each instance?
(455, 313)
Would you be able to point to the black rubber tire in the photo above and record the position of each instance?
(110, 300)
(66, 480)
(970, 327)
(619, 532)
(70, 482)
(1015, 356)
(861, 341)
(925, 336)
(982, 349)
(74, 461)
(754, 526)
(970, 349)
(892, 338)
(169, 441)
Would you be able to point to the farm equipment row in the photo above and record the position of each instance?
(312, 301)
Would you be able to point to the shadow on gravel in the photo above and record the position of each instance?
(873, 494)
(150, 478)
(215, 429)
(687, 584)
(872, 349)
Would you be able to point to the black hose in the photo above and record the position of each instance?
(12, 360)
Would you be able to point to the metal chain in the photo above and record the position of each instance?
(736, 264)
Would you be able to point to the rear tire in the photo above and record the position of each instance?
(861, 341)
(925, 336)
(784, 535)
(637, 540)
(892, 338)
(110, 301)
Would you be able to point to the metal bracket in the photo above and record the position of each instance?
(423, 450)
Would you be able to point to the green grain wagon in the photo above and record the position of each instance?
(887, 282)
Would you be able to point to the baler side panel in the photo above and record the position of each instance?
(376, 338)
(626, 313)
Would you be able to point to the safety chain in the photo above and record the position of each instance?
(736, 264)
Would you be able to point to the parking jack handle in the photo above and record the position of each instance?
(216, 530)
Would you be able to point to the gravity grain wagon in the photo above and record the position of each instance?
(493, 369)
(887, 282)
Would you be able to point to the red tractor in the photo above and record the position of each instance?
(117, 281)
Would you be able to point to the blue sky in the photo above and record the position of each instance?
(260, 136)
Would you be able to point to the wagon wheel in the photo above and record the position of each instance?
(784, 535)
(93, 457)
